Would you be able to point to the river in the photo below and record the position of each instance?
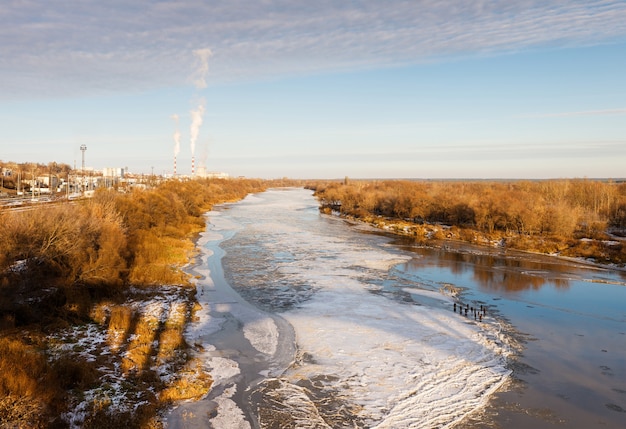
(310, 321)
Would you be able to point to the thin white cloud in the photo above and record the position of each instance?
(90, 46)
(601, 112)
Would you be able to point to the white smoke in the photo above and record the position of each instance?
(196, 121)
(204, 153)
(176, 136)
(199, 78)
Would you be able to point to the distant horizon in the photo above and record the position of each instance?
(358, 178)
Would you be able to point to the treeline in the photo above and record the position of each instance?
(58, 262)
(549, 216)
(36, 168)
(11, 171)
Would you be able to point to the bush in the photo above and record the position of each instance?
(27, 379)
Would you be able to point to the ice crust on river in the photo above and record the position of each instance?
(401, 360)
(408, 366)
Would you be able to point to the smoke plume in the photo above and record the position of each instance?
(196, 121)
(199, 78)
(176, 136)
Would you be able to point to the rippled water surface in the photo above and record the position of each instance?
(348, 327)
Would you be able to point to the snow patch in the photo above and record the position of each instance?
(229, 415)
(262, 334)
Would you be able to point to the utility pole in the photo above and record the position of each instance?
(83, 148)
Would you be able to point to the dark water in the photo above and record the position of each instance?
(570, 319)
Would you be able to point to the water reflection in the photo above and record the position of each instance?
(574, 313)
(492, 272)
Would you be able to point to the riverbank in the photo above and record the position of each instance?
(585, 251)
(574, 218)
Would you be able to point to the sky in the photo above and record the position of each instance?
(430, 89)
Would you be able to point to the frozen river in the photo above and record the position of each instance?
(311, 322)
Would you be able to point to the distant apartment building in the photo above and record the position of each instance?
(113, 172)
(203, 173)
(48, 181)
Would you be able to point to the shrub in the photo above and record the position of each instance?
(27, 379)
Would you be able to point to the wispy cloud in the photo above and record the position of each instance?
(70, 46)
(601, 112)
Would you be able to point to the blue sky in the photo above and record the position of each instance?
(326, 89)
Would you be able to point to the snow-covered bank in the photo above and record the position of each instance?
(133, 348)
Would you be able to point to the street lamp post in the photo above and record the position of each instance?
(83, 149)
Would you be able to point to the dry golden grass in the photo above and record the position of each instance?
(120, 321)
(17, 412)
(27, 385)
(191, 383)
(140, 347)
(171, 337)
(22, 367)
(121, 318)
(100, 313)
(153, 273)
(194, 309)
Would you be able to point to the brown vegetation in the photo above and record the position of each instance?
(568, 217)
(84, 269)
(27, 389)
